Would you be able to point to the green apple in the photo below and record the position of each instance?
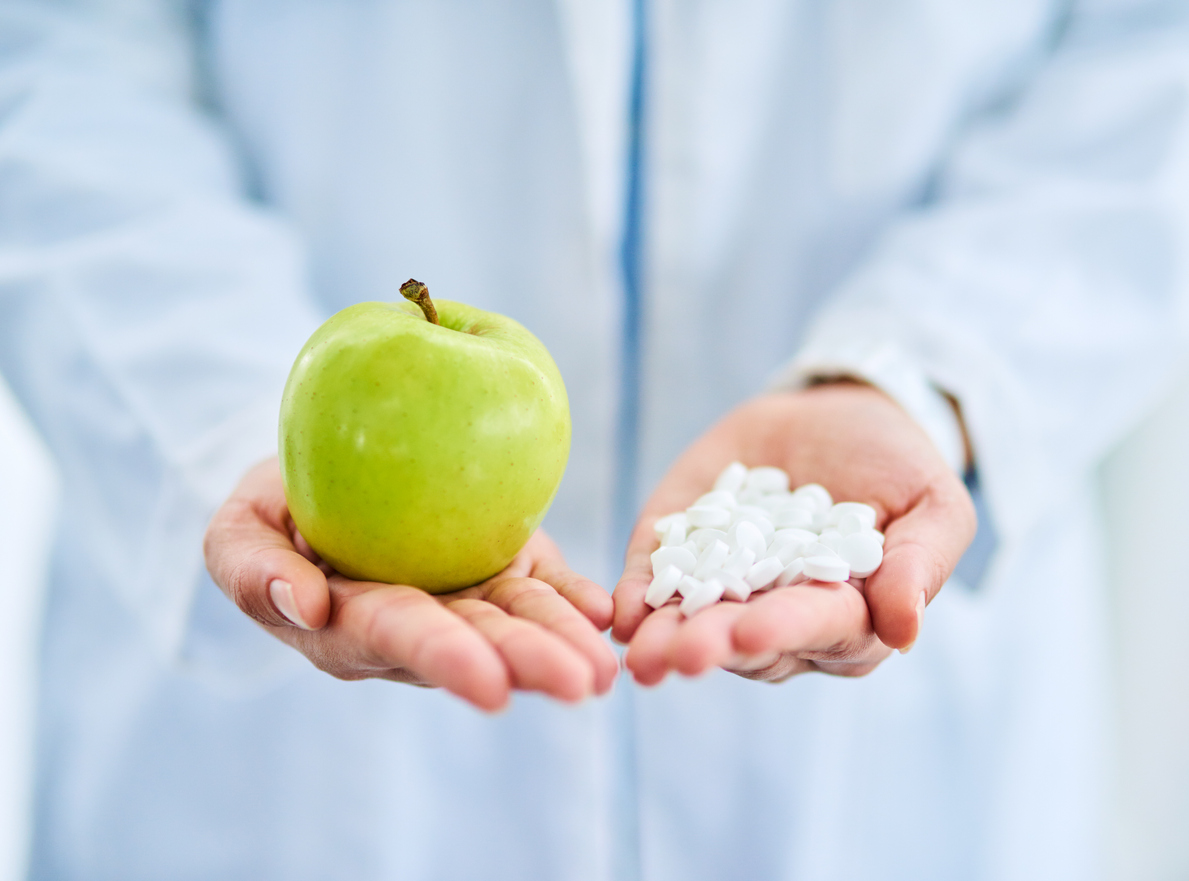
(420, 453)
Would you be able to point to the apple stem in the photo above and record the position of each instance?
(418, 293)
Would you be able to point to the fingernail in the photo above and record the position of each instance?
(282, 597)
(920, 623)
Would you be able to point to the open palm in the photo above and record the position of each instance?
(535, 626)
(861, 446)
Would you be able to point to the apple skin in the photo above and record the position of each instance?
(419, 454)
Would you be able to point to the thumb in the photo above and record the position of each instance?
(630, 609)
(251, 557)
(921, 550)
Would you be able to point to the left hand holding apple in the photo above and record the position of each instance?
(534, 626)
(861, 446)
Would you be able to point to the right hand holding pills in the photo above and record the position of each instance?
(751, 533)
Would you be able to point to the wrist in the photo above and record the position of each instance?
(896, 374)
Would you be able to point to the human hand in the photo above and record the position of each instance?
(534, 627)
(861, 446)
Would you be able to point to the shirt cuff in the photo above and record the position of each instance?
(892, 370)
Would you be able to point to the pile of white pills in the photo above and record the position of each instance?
(750, 533)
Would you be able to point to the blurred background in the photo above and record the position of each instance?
(1145, 485)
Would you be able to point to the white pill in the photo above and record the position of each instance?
(786, 551)
(815, 549)
(688, 585)
(704, 537)
(815, 492)
(792, 516)
(733, 587)
(750, 496)
(766, 480)
(740, 561)
(707, 595)
(862, 552)
(849, 523)
(794, 534)
(762, 574)
(793, 573)
(807, 501)
(746, 534)
(774, 502)
(712, 558)
(675, 535)
(757, 517)
(832, 539)
(879, 536)
(679, 557)
(827, 568)
(717, 499)
(708, 515)
(732, 477)
(662, 525)
(865, 513)
(692, 547)
(663, 587)
(750, 513)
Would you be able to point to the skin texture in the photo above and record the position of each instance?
(414, 453)
(534, 626)
(861, 446)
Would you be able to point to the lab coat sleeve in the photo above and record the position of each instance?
(148, 311)
(1043, 285)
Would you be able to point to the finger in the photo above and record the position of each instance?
(392, 627)
(251, 557)
(922, 548)
(807, 619)
(583, 594)
(536, 601)
(628, 596)
(704, 641)
(647, 654)
(537, 659)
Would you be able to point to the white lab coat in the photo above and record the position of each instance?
(988, 195)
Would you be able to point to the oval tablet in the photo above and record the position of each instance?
(733, 587)
(862, 551)
(792, 516)
(801, 535)
(708, 515)
(712, 558)
(832, 539)
(717, 499)
(746, 534)
(674, 535)
(740, 561)
(793, 573)
(663, 587)
(704, 537)
(707, 595)
(732, 477)
(820, 496)
(827, 568)
(865, 513)
(766, 480)
(662, 525)
(679, 557)
(764, 573)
